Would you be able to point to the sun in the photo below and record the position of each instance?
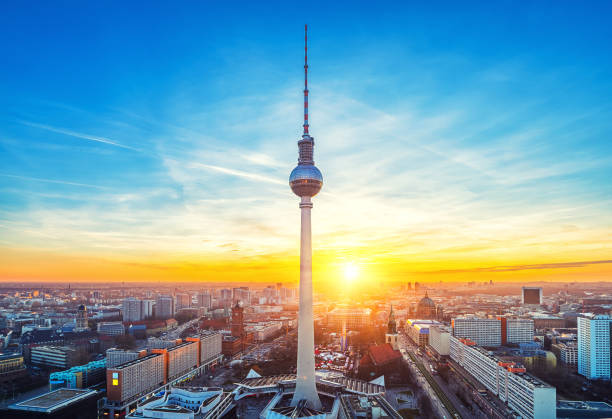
(351, 271)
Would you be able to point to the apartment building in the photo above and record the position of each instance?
(528, 396)
(128, 381)
(518, 330)
(439, 339)
(567, 353)
(53, 356)
(210, 345)
(182, 358)
(116, 356)
(594, 346)
(483, 331)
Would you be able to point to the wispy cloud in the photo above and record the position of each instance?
(76, 134)
(61, 182)
(561, 265)
(237, 173)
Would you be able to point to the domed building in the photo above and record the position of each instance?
(426, 309)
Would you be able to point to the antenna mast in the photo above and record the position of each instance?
(306, 80)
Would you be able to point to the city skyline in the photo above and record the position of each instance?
(485, 150)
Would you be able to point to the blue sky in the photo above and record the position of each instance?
(444, 132)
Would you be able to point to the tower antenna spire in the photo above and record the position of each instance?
(306, 80)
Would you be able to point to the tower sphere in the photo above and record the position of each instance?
(305, 180)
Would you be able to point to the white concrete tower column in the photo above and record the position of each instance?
(305, 380)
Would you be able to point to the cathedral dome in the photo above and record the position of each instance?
(426, 309)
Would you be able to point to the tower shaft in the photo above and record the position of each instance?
(305, 388)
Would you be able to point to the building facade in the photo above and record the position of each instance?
(53, 356)
(132, 310)
(483, 331)
(128, 381)
(351, 318)
(439, 339)
(164, 307)
(594, 346)
(518, 330)
(111, 328)
(528, 396)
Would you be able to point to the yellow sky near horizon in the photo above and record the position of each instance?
(329, 269)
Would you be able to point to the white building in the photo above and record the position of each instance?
(164, 307)
(594, 346)
(185, 403)
(111, 328)
(210, 345)
(483, 331)
(132, 310)
(519, 330)
(526, 395)
(266, 331)
(439, 339)
(147, 308)
(567, 353)
(205, 300)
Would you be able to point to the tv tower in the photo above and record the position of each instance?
(306, 181)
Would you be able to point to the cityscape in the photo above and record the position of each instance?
(153, 263)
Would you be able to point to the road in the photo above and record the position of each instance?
(176, 333)
(451, 403)
(485, 406)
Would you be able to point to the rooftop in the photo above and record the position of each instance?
(135, 361)
(54, 400)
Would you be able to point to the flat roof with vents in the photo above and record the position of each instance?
(54, 400)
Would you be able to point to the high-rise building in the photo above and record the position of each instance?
(306, 181)
(164, 307)
(516, 330)
(132, 310)
(81, 318)
(242, 295)
(531, 295)
(439, 336)
(270, 293)
(129, 380)
(225, 294)
(485, 332)
(183, 300)
(205, 300)
(147, 308)
(594, 346)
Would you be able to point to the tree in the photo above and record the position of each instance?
(125, 342)
(184, 316)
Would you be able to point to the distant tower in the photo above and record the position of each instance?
(237, 326)
(237, 323)
(391, 335)
(81, 318)
(306, 181)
